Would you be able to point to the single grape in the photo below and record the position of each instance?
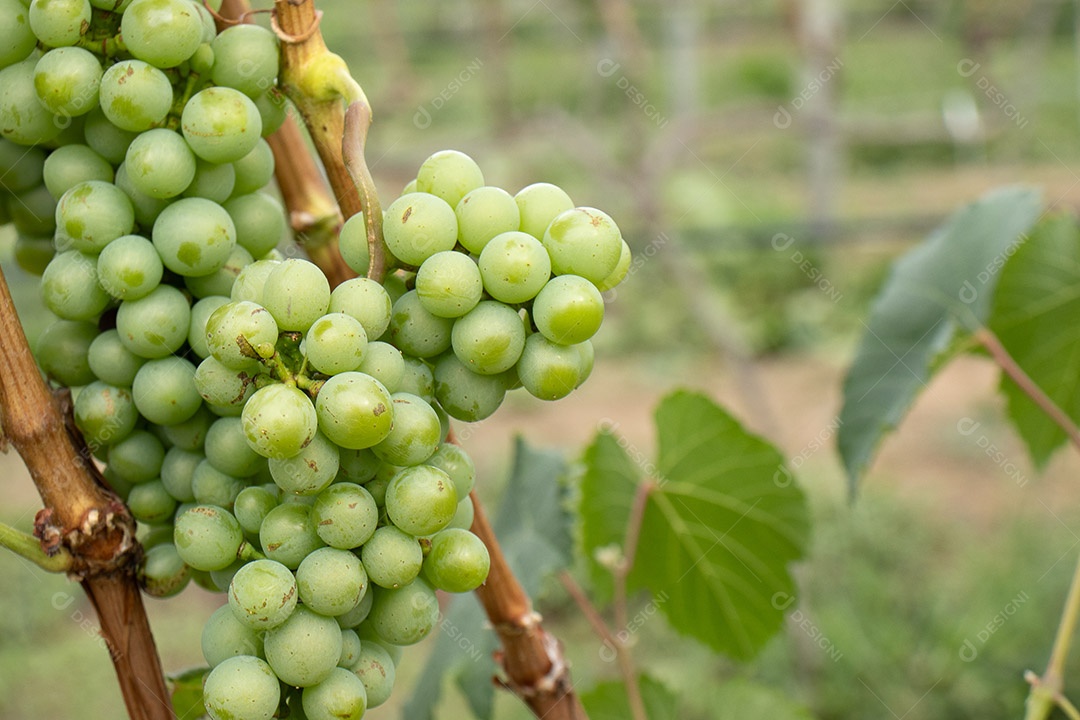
(376, 670)
(212, 181)
(155, 325)
(279, 420)
(254, 170)
(129, 267)
(16, 37)
(191, 433)
(309, 471)
(415, 433)
(70, 165)
(353, 244)
(449, 175)
(458, 561)
(341, 696)
(358, 466)
(569, 310)
(539, 203)
(489, 340)
(59, 23)
(138, 457)
(622, 269)
(547, 370)
(354, 410)
(418, 379)
(357, 615)
(584, 241)
(304, 649)
(151, 503)
(227, 450)
(259, 218)
(245, 59)
(207, 537)
(514, 267)
(385, 363)
(392, 558)
(455, 462)
(252, 506)
(418, 225)
(221, 281)
(177, 471)
(242, 688)
(331, 581)
(407, 615)
(225, 636)
(463, 517)
(210, 486)
(105, 138)
(223, 387)
(163, 573)
(23, 119)
(466, 395)
(262, 594)
(288, 534)
(297, 294)
(251, 280)
(64, 350)
(105, 414)
(415, 331)
(159, 162)
(194, 236)
(350, 647)
(163, 33)
(345, 515)
(238, 331)
(91, 215)
(147, 209)
(421, 500)
(448, 284)
(221, 124)
(164, 390)
(484, 213)
(67, 80)
(335, 343)
(134, 96)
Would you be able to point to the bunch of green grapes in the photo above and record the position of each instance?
(277, 439)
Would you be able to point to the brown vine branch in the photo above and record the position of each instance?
(81, 516)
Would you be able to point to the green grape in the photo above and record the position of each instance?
(221, 386)
(259, 218)
(225, 636)
(421, 500)
(151, 503)
(252, 505)
(33, 212)
(154, 536)
(254, 170)
(415, 433)
(235, 333)
(350, 647)
(273, 110)
(119, 486)
(417, 332)
(159, 162)
(376, 671)
(455, 462)
(341, 696)
(385, 363)
(262, 594)
(405, 616)
(67, 80)
(72, 164)
(569, 310)
(304, 649)
(353, 244)
(448, 284)
(23, 119)
(221, 124)
(539, 203)
(410, 187)
(212, 181)
(221, 281)
(105, 138)
(392, 558)
(458, 561)
(489, 340)
(163, 573)
(242, 688)
(63, 352)
(484, 213)
(418, 379)
(105, 414)
(207, 537)
(297, 294)
(16, 37)
(358, 466)
(245, 59)
(138, 457)
(134, 96)
(210, 486)
(378, 484)
(147, 209)
(331, 581)
(358, 614)
(222, 578)
(354, 410)
(335, 343)
(396, 284)
(463, 516)
(308, 472)
(191, 433)
(279, 421)
(466, 395)
(514, 267)
(33, 255)
(418, 225)
(59, 23)
(449, 175)
(227, 450)
(164, 390)
(91, 215)
(584, 241)
(288, 534)
(622, 268)
(249, 283)
(345, 515)
(194, 236)
(129, 267)
(163, 33)
(547, 370)
(155, 325)
(200, 314)
(365, 300)
(177, 472)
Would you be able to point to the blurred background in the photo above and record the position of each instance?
(765, 161)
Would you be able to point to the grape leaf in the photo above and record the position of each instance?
(608, 701)
(740, 699)
(933, 291)
(534, 531)
(1038, 296)
(607, 494)
(187, 693)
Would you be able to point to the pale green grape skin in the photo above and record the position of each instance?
(64, 350)
(421, 500)
(489, 340)
(455, 462)
(345, 515)
(405, 616)
(259, 219)
(273, 109)
(458, 561)
(160, 163)
(16, 38)
(358, 614)
(484, 213)
(288, 534)
(105, 138)
(569, 310)
(23, 119)
(227, 450)
(147, 209)
(212, 181)
(418, 379)
(417, 332)
(262, 594)
(547, 370)
(67, 81)
(350, 647)
(155, 325)
(236, 331)
(418, 225)
(105, 414)
(539, 204)
(222, 386)
(353, 244)
(163, 33)
(251, 280)
(137, 458)
(355, 410)
(246, 59)
(385, 363)
(164, 390)
(341, 696)
(378, 484)
(449, 175)
(163, 573)
(448, 284)
(194, 236)
(225, 636)
(309, 471)
(331, 581)
(391, 557)
(252, 506)
(190, 434)
(415, 434)
(335, 343)
(466, 395)
(221, 124)
(463, 517)
(92, 214)
(151, 503)
(376, 670)
(242, 688)
(134, 95)
(622, 269)
(279, 421)
(59, 23)
(70, 165)
(514, 267)
(304, 650)
(584, 241)
(129, 267)
(254, 170)
(177, 471)
(221, 281)
(207, 537)
(297, 294)
(358, 466)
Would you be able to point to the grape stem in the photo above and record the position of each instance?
(29, 548)
(357, 122)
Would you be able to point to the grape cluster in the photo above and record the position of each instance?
(277, 439)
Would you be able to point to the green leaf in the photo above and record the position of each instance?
(741, 699)
(933, 292)
(534, 531)
(1039, 296)
(187, 696)
(608, 701)
(607, 494)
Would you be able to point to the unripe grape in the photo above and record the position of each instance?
(67, 81)
(455, 462)
(415, 433)
(489, 340)
(309, 471)
(353, 244)
(237, 331)
(376, 670)
(569, 310)
(194, 236)
(245, 59)
(448, 284)
(385, 363)
(458, 561)
(331, 581)
(151, 503)
(212, 181)
(391, 557)
(466, 395)
(421, 500)
(177, 471)
(252, 506)
(163, 33)
(335, 343)
(70, 165)
(92, 214)
(105, 414)
(17, 39)
(584, 241)
(304, 649)
(221, 124)
(418, 225)
(345, 515)
(242, 687)
(417, 332)
(297, 294)
(225, 636)
(484, 213)
(159, 163)
(129, 267)
(341, 696)
(163, 572)
(259, 219)
(221, 281)
(262, 594)
(354, 410)
(164, 390)
(514, 267)
(251, 280)
(254, 170)
(138, 457)
(134, 96)
(288, 534)
(450, 175)
(539, 204)
(59, 23)
(156, 325)
(207, 537)
(63, 352)
(621, 269)
(279, 421)
(407, 615)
